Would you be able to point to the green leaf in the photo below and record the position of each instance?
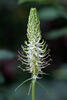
(49, 13)
(56, 33)
(1, 78)
(4, 54)
(61, 73)
(40, 1)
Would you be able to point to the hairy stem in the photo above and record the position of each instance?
(33, 89)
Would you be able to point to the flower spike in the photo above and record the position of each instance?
(35, 52)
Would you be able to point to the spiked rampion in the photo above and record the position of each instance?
(35, 52)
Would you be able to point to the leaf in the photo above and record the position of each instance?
(49, 13)
(40, 1)
(61, 73)
(56, 33)
(1, 78)
(4, 54)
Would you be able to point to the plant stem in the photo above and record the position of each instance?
(33, 89)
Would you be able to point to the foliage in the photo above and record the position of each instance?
(52, 13)
(53, 17)
(40, 1)
(5, 54)
(57, 33)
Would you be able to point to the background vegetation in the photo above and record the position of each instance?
(13, 25)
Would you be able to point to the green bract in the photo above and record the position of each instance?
(34, 53)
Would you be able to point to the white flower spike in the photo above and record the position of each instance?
(35, 52)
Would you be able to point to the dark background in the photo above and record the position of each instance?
(13, 25)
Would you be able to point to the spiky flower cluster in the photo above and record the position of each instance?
(35, 53)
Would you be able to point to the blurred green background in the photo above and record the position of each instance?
(13, 25)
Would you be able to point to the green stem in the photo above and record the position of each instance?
(33, 89)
